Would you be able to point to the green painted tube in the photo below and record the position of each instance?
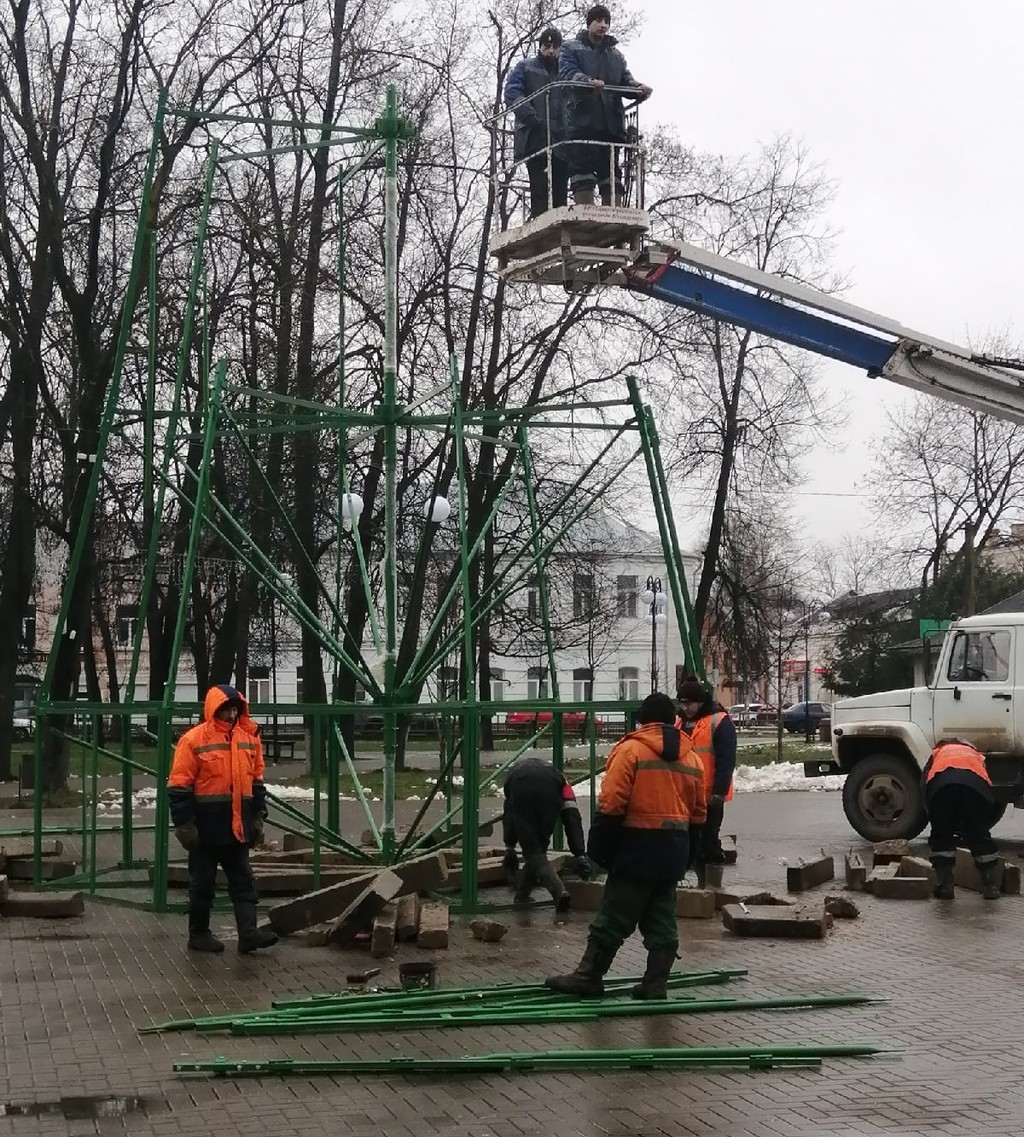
(761, 1057)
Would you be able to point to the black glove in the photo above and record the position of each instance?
(584, 868)
(187, 834)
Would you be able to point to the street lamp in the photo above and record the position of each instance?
(654, 598)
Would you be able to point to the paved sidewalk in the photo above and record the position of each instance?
(72, 994)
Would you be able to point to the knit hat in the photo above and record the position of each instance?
(692, 691)
(550, 35)
(657, 707)
(598, 12)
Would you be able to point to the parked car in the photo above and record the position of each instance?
(801, 717)
(747, 714)
(525, 722)
(23, 724)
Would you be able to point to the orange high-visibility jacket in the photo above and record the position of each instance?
(650, 792)
(217, 774)
(702, 738)
(956, 756)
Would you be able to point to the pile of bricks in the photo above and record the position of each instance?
(896, 874)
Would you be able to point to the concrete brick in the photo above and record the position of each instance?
(842, 907)
(53, 868)
(408, 920)
(490, 872)
(295, 858)
(809, 874)
(586, 894)
(919, 867)
(856, 871)
(43, 905)
(739, 895)
(433, 931)
(885, 852)
(418, 875)
(369, 903)
(490, 931)
(966, 874)
(881, 872)
(25, 847)
(776, 921)
(382, 940)
(902, 887)
(695, 903)
(4, 889)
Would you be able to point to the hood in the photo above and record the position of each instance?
(881, 699)
(608, 41)
(217, 696)
(652, 735)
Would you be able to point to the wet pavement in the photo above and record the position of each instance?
(73, 993)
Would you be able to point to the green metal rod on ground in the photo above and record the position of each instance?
(758, 1057)
(511, 1015)
(406, 999)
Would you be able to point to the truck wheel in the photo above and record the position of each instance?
(883, 800)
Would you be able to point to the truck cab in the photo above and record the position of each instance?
(882, 741)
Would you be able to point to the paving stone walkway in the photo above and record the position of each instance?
(72, 994)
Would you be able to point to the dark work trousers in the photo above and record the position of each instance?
(959, 812)
(203, 862)
(594, 162)
(711, 851)
(537, 168)
(532, 829)
(628, 904)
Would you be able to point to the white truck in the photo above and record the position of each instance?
(882, 741)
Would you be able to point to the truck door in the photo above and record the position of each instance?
(974, 694)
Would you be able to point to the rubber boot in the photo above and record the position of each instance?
(713, 876)
(588, 978)
(991, 878)
(944, 870)
(200, 938)
(654, 984)
(584, 195)
(250, 937)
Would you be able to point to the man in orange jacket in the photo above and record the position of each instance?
(218, 806)
(653, 788)
(958, 794)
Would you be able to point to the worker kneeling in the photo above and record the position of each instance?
(653, 788)
(958, 794)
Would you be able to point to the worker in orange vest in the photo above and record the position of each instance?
(218, 805)
(713, 735)
(959, 799)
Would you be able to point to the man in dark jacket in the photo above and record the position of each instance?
(218, 805)
(595, 117)
(539, 111)
(713, 734)
(651, 792)
(536, 795)
(958, 794)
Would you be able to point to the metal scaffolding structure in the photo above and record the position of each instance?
(626, 431)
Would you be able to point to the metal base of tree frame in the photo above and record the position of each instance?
(464, 601)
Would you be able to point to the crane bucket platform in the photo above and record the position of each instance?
(572, 244)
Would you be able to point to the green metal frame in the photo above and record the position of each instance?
(398, 693)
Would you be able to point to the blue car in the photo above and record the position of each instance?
(803, 717)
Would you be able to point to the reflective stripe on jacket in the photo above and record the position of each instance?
(956, 756)
(217, 775)
(703, 738)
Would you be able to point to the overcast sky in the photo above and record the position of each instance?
(913, 106)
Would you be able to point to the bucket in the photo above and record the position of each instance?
(417, 976)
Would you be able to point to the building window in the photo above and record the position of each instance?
(259, 684)
(537, 683)
(629, 684)
(497, 685)
(125, 621)
(28, 629)
(447, 683)
(532, 598)
(582, 684)
(582, 595)
(625, 596)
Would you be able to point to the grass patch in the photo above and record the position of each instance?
(766, 753)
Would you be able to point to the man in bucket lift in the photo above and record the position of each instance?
(596, 118)
(540, 123)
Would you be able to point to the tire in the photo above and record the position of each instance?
(883, 799)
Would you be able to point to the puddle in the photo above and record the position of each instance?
(75, 1108)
